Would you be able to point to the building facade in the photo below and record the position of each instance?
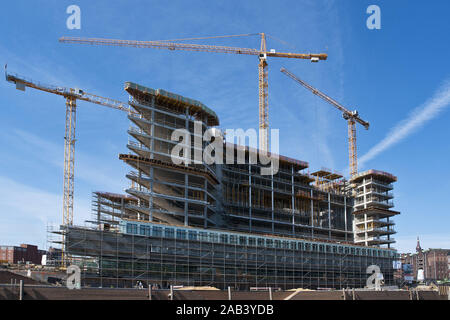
(224, 223)
(373, 224)
(433, 262)
(25, 253)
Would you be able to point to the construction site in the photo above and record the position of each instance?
(221, 225)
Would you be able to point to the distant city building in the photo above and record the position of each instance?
(22, 254)
(53, 256)
(434, 263)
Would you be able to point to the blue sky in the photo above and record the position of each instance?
(389, 75)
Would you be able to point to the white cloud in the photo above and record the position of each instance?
(416, 119)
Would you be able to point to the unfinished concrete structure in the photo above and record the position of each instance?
(372, 215)
(219, 224)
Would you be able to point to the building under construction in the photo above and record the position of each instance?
(227, 224)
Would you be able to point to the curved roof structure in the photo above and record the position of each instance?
(194, 106)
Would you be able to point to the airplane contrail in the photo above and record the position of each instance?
(417, 118)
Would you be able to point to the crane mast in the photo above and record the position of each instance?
(71, 95)
(351, 116)
(263, 86)
(262, 53)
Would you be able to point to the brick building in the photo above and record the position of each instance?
(434, 263)
(21, 254)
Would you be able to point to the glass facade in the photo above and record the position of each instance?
(170, 255)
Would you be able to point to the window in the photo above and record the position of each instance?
(269, 243)
(293, 245)
(157, 231)
(224, 238)
(233, 239)
(203, 236)
(142, 230)
(213, 237)
(285, 244)
(261, 242)
(314, 247)
(251, 241)
(277, 244)
(181, 234)
(132, 228)
(129, 228)
(169, 233)
(192, 235)
(242, 241)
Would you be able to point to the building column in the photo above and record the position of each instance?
(205, 209)
(273, 208)
(152, 129)
(366, 242)
(186, 218)
(150, 198)
(312, 214)
(329, 216)
(345, 217)
(122, 208)
(388, 235)
(186, 192)
(293, 200)
(250, 196)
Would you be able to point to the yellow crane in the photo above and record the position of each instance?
(71, 95)
(262, 54)
(351, 116)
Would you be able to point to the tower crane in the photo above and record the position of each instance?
(71, 95)
(351, 116)
(262, 54)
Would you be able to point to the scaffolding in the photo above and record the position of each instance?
(221, 224)
(165, 255)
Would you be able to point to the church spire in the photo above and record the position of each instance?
(418, 248)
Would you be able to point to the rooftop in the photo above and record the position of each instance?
(194, 106)
(381, 175)
(298, 164)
